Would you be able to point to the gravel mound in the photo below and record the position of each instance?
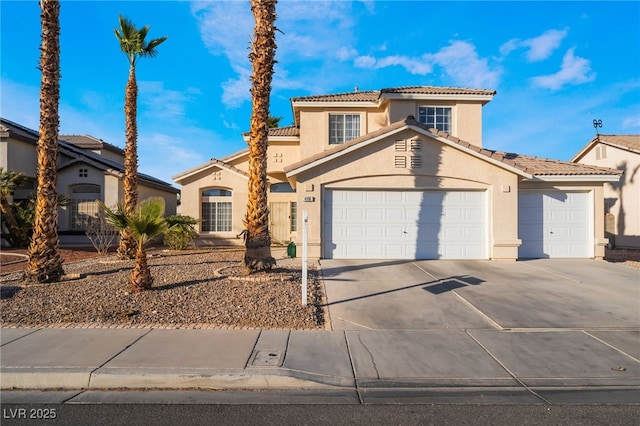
(192, 289)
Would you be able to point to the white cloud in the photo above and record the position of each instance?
(574, 70)
(346, 53)
(631, 122)
(459, 60)
(412, 65)
(164, 103)
(462, 63)
(539, 48)
(314, 32)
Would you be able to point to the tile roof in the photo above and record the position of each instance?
(357, 96)
(12, 129)
(630, 142)
(21, 132)
(284, 131)
(208, 164)
(374, 95)
(90, 142)
(438, 90)
(527, 164)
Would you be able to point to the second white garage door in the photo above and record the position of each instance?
(404, 224)
(554, 224)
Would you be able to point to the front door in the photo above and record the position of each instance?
(279, 222)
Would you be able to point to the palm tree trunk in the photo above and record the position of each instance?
(141, 278)
(45, 262)
(127, 245)
(257, 255)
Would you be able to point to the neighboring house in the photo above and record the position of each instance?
(89, 170)
(401, 173)
(622, 199)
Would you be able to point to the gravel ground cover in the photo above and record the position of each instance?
(199, 288)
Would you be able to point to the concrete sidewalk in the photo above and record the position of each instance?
(528, 367)
(426, 331)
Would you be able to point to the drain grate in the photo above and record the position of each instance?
(266, 359)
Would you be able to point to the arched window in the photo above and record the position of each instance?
(216, 210)
(216, 192)
(83, 206)
(281, 187)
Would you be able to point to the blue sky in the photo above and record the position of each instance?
(555, 65)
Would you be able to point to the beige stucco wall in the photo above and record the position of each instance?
(314, 126)
(19, 156)
(466, 117)
(218, 177)
(170, 200)
(215, 177)
(623, 197)
(598, 239)
(375, 167)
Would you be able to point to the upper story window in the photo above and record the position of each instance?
(343, 127)
(436, 117)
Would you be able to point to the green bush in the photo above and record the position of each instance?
(180, 231)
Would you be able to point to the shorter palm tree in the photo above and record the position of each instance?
(144, 224)
(9, 182)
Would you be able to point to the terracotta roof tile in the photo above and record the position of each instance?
(528, 164)
(438, 90)
(374, 95)
(358, 96)
(284, 131)
(90, 142)
(631, 142)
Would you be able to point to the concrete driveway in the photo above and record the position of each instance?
(456, 295)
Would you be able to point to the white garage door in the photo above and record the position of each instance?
(554, 224)
(404, 224)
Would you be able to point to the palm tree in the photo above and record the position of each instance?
(257, 256)
(144, 224)
(45, 262)
(273, 122)
(133, 45)
(9, 181)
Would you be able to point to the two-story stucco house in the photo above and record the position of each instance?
(89, 170)
(401, 173)
(622, 198)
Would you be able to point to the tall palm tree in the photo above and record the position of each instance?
(45, 262)
(133, 45)
(144, 224)
(257, 256)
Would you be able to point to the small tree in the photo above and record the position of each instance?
(180, 231)
(101, 233)
(144, 224)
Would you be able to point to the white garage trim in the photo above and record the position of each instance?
(409, 224)
(555, 224)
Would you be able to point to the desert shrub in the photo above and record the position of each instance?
(101, 233)
(180, 231)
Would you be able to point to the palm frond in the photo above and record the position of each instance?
(116, 218)
(147, 221)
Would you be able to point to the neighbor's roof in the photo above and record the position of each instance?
(90, 142)
(626, 142)
(528, 166)
(10, 129)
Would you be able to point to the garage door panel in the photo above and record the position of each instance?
(554, 224)
(416, 224)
